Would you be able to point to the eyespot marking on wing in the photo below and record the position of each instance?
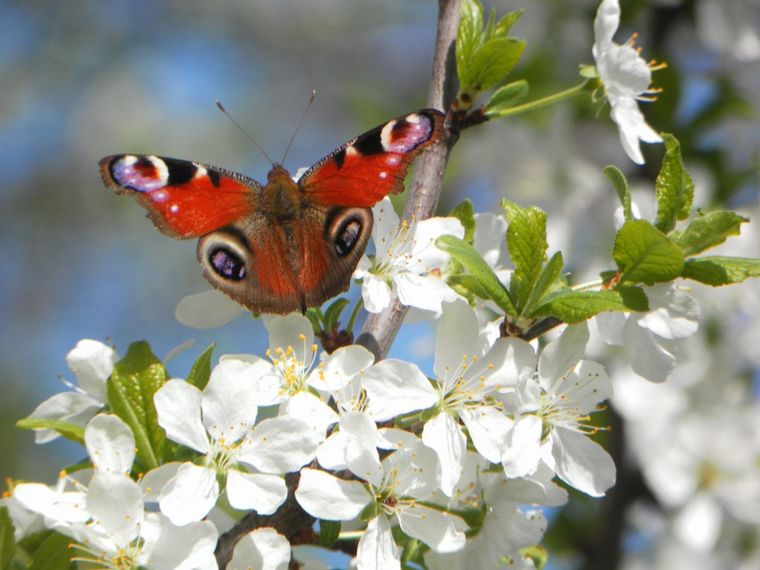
(140, 173)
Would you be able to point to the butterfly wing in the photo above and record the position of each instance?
(366, 169)
(184, 199)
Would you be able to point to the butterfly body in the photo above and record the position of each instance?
(286, 245)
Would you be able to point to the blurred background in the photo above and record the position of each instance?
(82, 80)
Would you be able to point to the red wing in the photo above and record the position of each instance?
(366, 169)
(184, 199)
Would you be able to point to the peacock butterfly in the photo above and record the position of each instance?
(285, 245)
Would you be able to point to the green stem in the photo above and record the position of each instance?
(354, 314)
(538, 103)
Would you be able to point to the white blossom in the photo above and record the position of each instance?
(551, 407)
(91, 362)
(626, 77)
(407, 264)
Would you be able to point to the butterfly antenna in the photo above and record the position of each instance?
(242, 130)
(298, 127)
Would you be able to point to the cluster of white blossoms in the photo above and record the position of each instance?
(376, 444)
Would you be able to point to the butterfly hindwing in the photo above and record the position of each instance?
(184, 199)
(366, 169)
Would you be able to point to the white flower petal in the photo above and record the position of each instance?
(361, 442)
(262, 549)
(439, 530)
(326, 497)
(110, 444)
(280, 445)
(425, 292)
(229, 405)
(189, 547)
(488, 427)
(648, 358)
(264, 381)
(67, 506)
(582, 463)
(92, 362)
(115, 502)
(153, 482)
(457, 338)
(259, 491)
(376, 293)
(522, 450)
(291, 331)
(425, 256)
(71, 407)
(699, 523)
(377, 550)
(339, 367)
(443, 434)
(207, 310)
(309, 408)
(395, 387)
(190, 495)
(561, 355)
(178, 405)
(385, 226)
(676, 314)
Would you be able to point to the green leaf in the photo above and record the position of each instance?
(674, 188)
(465, 213)
(645, 255)
(507, 21)
(471, 260)
(707, 231)
(492, 63)
(469, 37)
(328, 532)
(620, 184)
(53, 554)
(717, 271)
(7, 543)
(506, 97)
(526, 242)
(548, 280)
(576, 306)
(333, 312)
(201, 370)
(134, 381)
(66, 429)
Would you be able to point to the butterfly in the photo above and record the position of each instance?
(285, 245)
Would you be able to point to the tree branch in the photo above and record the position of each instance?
(380, 329)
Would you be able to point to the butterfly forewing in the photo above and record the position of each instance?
(371, 166)
(184, 199)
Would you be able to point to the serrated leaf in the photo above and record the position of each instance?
(674, 188)
(7, 542)
(548, 279)
(718, 270)
(492, 62)
(615, 175)
(471, 260)
(465, 213)
(130, 389)
(201, 369)
(506, 97)
(53, 554)
(645, 255)
(526, 242)
(576, 306)
(66, 429)
(328, 532)
(708, 231)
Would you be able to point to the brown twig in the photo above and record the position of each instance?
(379, 330)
